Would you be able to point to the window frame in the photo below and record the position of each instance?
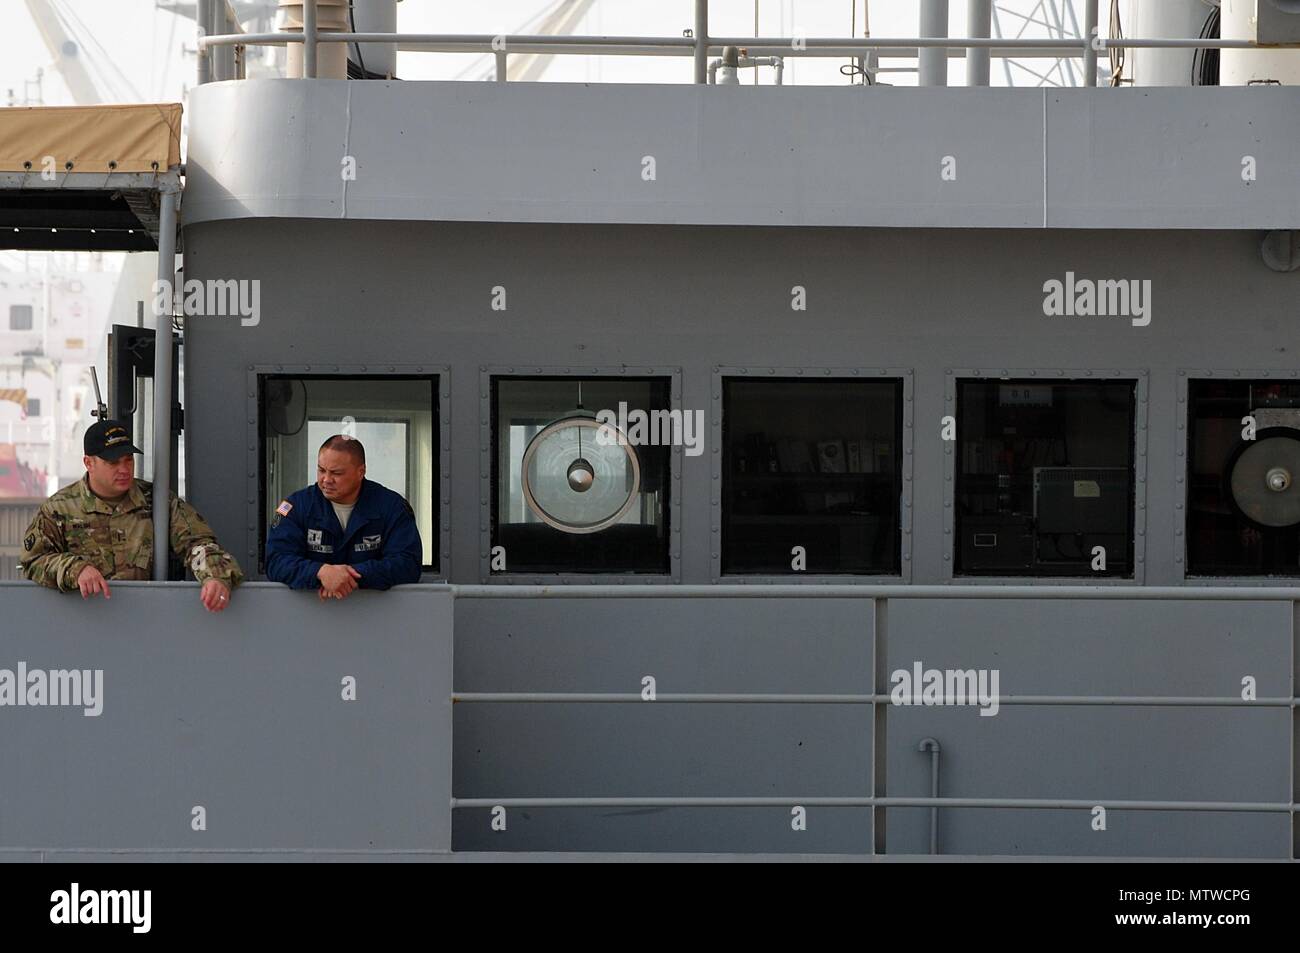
(1139, 377)
(487, 488)
(1183, 410)
(821, 373)
(439, 376)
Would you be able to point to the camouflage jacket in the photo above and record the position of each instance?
(74, 529)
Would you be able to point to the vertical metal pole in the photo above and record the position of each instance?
(932, 62)
(502, 65)
(879, 719)
(701, 41)
(203, 23)
(979, 22)
(932, 746)
(1089, 51)
(162, 388)
(309, 39)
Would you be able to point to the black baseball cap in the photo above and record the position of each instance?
(109, 440)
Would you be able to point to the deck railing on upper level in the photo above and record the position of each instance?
(696, 43)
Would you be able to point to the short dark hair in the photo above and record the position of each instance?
(345, 444)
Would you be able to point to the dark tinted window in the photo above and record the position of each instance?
(811, 464)
(569, 497)
(1243, 502)
(1044, 477)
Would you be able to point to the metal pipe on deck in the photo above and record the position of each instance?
(701, 37)
(1090, 50)
(932, 62)
(979, 23)
(309, 39)
(162, 385)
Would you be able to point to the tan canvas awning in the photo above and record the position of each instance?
(130, 138)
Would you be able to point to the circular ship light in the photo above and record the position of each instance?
(1263, 478)
(576, 482)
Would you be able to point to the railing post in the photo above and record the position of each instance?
(502, 65)
(932, 61)
(309, 39)
(701, 41)
(1089, 51)
(979, 23)
(203, 22)
(162, 385)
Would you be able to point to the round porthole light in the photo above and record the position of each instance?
(580, 475)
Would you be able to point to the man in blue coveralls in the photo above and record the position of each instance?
(346, 532)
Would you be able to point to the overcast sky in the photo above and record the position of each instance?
(139, 53)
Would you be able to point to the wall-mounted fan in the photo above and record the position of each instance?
(580, 475)
(285, 404)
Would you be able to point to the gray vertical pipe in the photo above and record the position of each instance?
(309, 39)
(162, 387)
(1089, 51)
(979, 22)
(701, 41)
(203, 21)
(932, 62)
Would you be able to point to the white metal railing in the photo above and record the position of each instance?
(697, 44)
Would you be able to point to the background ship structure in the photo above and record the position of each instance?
(952, 507)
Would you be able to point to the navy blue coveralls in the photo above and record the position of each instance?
(381, 539)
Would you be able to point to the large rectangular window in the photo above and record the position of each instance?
(394, 418)
(1045, 478)
(568, 497)
(811, 476)
(1243, 461)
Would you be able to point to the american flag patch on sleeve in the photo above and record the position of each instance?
(284, 508)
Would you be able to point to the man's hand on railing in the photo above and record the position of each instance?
(337, 582)
(215, 596)
(92, 582)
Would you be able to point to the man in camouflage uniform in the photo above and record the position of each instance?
(101, 528)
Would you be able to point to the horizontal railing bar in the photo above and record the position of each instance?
(841, 591)
(517, 44)
(747, 698)
(1047, 804)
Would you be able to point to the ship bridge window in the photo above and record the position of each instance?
(811, 476)
(1045, 478)
(578, 486)
(394, 417)
(1243, 463)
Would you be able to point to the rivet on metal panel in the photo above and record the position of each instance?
(306, 367)
(948, 370)
(715, 556)
(1236, 373)
(744, 370)
(1182, 373)
(1060, 373)
(1266, 373)
(799, 371)
(946, 557)
(1209, 373)
(907, 557)
(1180, 479)
(947, 504)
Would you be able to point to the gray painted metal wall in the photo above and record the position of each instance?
(241, 713)
(861, 156)
(353, 295)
